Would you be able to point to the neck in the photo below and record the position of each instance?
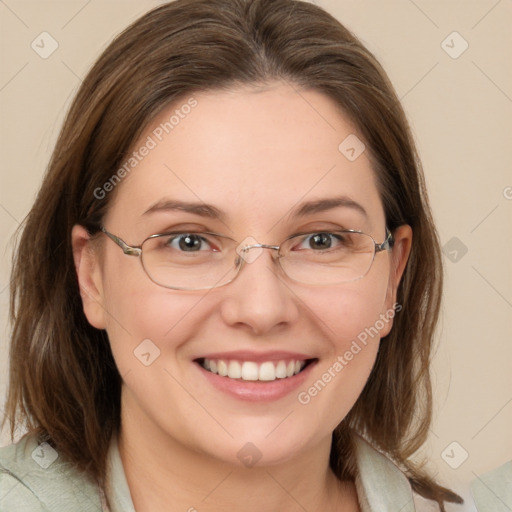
(165, 475)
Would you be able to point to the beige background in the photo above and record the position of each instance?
(460, 110)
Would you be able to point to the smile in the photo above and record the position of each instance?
(253, 371)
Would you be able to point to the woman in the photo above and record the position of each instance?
(226, 292)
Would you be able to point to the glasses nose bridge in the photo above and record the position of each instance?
(243, 251)
(260, 246)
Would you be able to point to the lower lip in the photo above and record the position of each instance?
(257, 391)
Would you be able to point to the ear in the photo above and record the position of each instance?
(399, 256)
(88, 269)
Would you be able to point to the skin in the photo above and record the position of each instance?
(255, 153)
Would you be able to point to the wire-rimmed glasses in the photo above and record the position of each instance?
(189, 260)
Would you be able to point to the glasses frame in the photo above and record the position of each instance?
(136, 250)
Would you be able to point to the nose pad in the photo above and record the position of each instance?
(244, 250)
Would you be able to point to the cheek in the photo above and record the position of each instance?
(143, 317)
(352, 311)
(351, 318)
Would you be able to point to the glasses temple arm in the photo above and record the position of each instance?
(127, 249)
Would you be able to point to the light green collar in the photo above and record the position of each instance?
(492, 491)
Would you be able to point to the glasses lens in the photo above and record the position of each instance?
(189, 261)
(327, 257)
(200, 261)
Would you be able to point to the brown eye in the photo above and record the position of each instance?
(320, 241)
(188, 242)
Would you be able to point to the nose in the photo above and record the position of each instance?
(260, 298)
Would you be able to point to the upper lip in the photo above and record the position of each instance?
(247, 355)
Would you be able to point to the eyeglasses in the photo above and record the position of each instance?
(185, 260)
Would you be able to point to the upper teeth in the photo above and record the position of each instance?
(249, 370)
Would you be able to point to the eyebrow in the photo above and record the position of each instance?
(303, 210)
(322, 205)
(202, 209)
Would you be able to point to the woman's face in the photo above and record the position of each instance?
(256, 156)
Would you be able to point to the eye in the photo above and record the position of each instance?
(321, 241)
(188, 242)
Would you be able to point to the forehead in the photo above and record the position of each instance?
(254, 153)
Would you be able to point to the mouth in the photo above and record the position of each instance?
(263, 371)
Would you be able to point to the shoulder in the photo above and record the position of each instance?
(492, 491)
(33, 478)
(382, 485)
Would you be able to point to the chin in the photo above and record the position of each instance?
(255, 445)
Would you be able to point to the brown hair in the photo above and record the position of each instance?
(64, 384)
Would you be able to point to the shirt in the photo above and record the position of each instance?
(492, 491)
(34, 479)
